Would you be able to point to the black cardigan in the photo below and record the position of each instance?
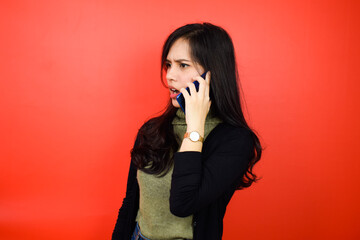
(202, 183)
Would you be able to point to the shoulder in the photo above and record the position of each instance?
(149, 127)
(225, 130)
(148, 123)
(229, 138)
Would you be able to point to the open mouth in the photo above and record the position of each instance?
(173, 90)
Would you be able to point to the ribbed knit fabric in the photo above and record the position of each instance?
(154, 217)
(180, 126)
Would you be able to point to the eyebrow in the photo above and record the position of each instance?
(179, 60)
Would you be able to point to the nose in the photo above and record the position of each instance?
(170, 74)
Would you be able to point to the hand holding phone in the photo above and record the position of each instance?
(180, 98)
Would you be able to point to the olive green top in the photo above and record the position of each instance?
(154, 217)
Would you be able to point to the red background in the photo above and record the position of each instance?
(75, 82)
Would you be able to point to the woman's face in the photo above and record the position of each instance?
(180, 68)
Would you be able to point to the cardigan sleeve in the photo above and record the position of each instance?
(197, 182)
(124, 223)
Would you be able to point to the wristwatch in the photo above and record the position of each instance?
(194, 136)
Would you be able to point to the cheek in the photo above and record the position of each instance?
(186, 79)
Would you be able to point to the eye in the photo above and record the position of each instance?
(167, 65)
(183, 65)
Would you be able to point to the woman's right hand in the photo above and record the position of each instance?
(197, 104)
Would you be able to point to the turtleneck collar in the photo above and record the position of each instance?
(179, 124)
(179, 118)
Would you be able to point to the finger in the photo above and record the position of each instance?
(208, 77)
(207, 93)
(202, 85)
(207, 81)
(192, 88)
(185, 94)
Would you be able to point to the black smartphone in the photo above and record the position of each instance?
(180, 98)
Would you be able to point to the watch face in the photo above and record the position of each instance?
(194, 136)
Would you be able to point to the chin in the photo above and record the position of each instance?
(175, 103)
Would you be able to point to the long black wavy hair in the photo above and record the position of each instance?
(212, 48)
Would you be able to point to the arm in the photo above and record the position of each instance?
(197, 182)
(123, 226)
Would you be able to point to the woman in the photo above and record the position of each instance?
(185, 167)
